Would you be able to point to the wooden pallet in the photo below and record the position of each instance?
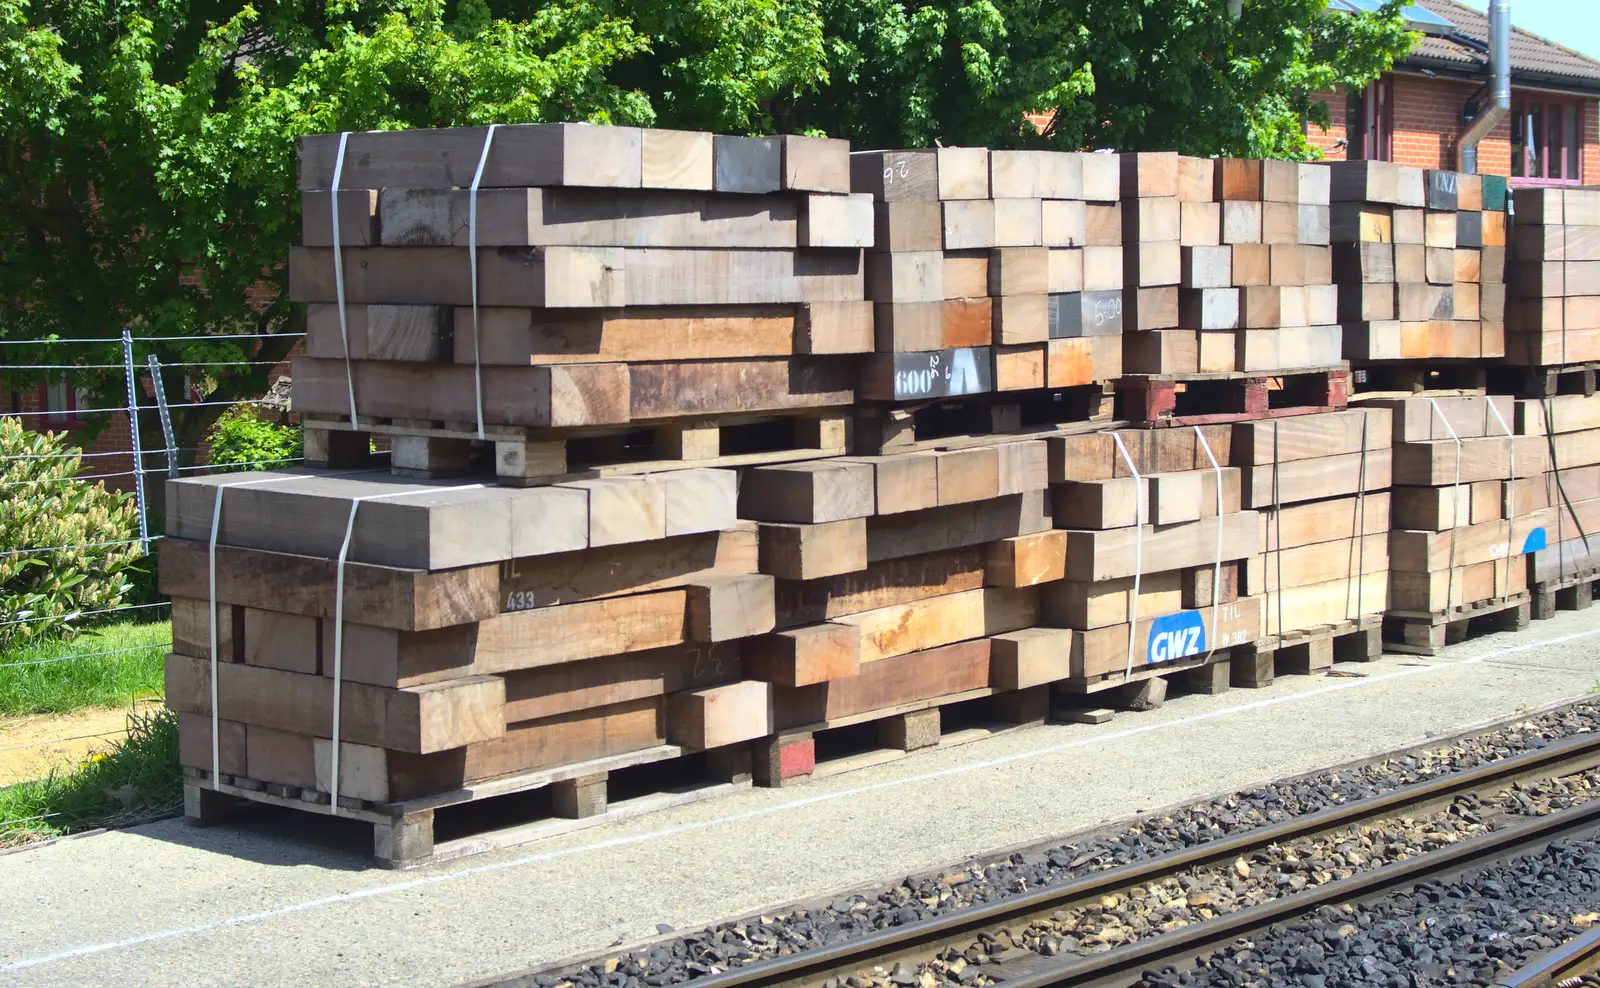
(1308, 651)
(1184, 400)
(1572, 593)
(1417, 633)
(818, 751)
(1545, 382)
(1457, 377)
(520, 457)
(499, 813)
(893, 428)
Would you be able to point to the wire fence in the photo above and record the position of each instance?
(91, 649)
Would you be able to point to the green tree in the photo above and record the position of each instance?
(1129, 74)
(148, 180)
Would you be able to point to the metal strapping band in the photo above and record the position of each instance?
(1455, 508)
(472, 259)
(1510, 505)
(1216, 570)
(1138, 548)
(338, 632)
(338, 278)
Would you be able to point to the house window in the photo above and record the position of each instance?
(1546, 141)
(1370, 122)
(63, 403)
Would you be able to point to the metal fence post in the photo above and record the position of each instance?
(166, 416)
(138, 448)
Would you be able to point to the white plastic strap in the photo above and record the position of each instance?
(211, 613)
(1277, 523)
(1511, 500)
(338, 281)
(1455, 507)
(472, 258)
(1216, 571)
(338, 635)
(1360, 533)
(1138, 548)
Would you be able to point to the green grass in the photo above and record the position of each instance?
(96, 681)
(137, 779)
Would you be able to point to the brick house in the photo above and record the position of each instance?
(1415, 114)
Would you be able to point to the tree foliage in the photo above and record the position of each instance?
(148, 180)
(242, 440)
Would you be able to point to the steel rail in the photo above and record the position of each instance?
(1572, 959)
(917, 942)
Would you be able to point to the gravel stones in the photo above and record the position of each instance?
(976, 882)
(1469, 931)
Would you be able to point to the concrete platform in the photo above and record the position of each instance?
(257, 904)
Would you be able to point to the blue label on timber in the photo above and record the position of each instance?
(1535, 540)
(1176, 636)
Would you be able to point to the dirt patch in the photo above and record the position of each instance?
(31, 746)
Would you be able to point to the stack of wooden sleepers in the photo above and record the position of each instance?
(717, 461)
(1320, 486)
(1561, 573)
(1555, 318)
(1420, 260)
(1231, 265)
(989, 272)
(1230, 288)
(1463, 517)
(635, 295)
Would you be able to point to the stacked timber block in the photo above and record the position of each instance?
(1462, 516)
(1319, 484)
(1555, 318)
(1420, 260)
(907, 592)
(1561, 572)
(541, 638)
(1155, 537)
(990, 273)
(632, 292)
(1228, 265)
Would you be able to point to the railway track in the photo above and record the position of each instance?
(1575, 964)
(899, 955)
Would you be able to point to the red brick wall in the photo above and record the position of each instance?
(1325, 139)
(1427, 124)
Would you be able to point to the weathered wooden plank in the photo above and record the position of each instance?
(405, 599)
(1426, 552)
(541, 396)
(522, 336)
(1302, 437)
(417, 526)
(1114, 553)
(420, 719)
(1319, 477)
(887, 683)
(803, 656)
(717, 716)
(886, 583)
(578, 277)
(520, 155)
(1085, 606)
(936, 621)
(684, 389)
(579, 218)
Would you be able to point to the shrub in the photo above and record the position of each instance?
(243, 440)
(84, 529)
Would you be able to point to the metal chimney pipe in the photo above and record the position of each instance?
(1499, 102)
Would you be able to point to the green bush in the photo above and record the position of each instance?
(243, 440)
(88, 565)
